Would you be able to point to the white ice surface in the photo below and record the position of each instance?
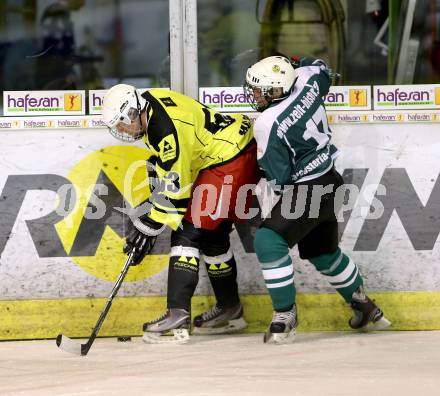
(324, 364)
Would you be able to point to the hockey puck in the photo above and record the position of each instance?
(124, 339)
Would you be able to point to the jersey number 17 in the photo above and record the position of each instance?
(317, 128)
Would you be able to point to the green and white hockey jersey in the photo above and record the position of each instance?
(293, 135)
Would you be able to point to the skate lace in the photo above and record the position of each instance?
(284, 317)
(212, 313)
(163, 316)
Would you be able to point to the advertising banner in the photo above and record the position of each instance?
(348, 98)
(225, 99)
(36, 103)
(96, 97)
(404, 97)
(233, 99)
(9, 124)
(384, 117)
(79, 122)
(334, 117)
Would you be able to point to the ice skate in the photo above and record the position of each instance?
(220, 320)
(172, 327)
(282, 329)
(367, 316)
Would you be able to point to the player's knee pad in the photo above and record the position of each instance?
(221, 265)
(185, 252)
(183, 276)
(216, 246)
(217, 254)
(269, 245)
(183, 270)
(325, 262)
(222, 272)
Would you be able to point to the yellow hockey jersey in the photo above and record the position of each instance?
(187, 137)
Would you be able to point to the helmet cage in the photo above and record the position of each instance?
(126, 118)
(125, 136)
(267, 92)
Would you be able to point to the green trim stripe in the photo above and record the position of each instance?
(334, 265)
(282, 262)
(278, 280)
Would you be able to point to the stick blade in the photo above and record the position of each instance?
(68, 345)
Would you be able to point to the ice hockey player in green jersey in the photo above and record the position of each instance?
(295, 153)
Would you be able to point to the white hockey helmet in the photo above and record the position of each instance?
(265, 75)
(121, 107)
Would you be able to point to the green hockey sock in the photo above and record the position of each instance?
(273, 253)
(341, 272)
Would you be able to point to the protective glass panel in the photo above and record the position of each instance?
(83, 44)
(368, 42)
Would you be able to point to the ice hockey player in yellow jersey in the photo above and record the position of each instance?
(194, 149)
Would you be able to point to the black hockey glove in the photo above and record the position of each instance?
(142, 238)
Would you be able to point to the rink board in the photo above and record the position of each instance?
(55, 265)
(39, 319)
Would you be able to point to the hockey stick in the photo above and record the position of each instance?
(67, 344)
